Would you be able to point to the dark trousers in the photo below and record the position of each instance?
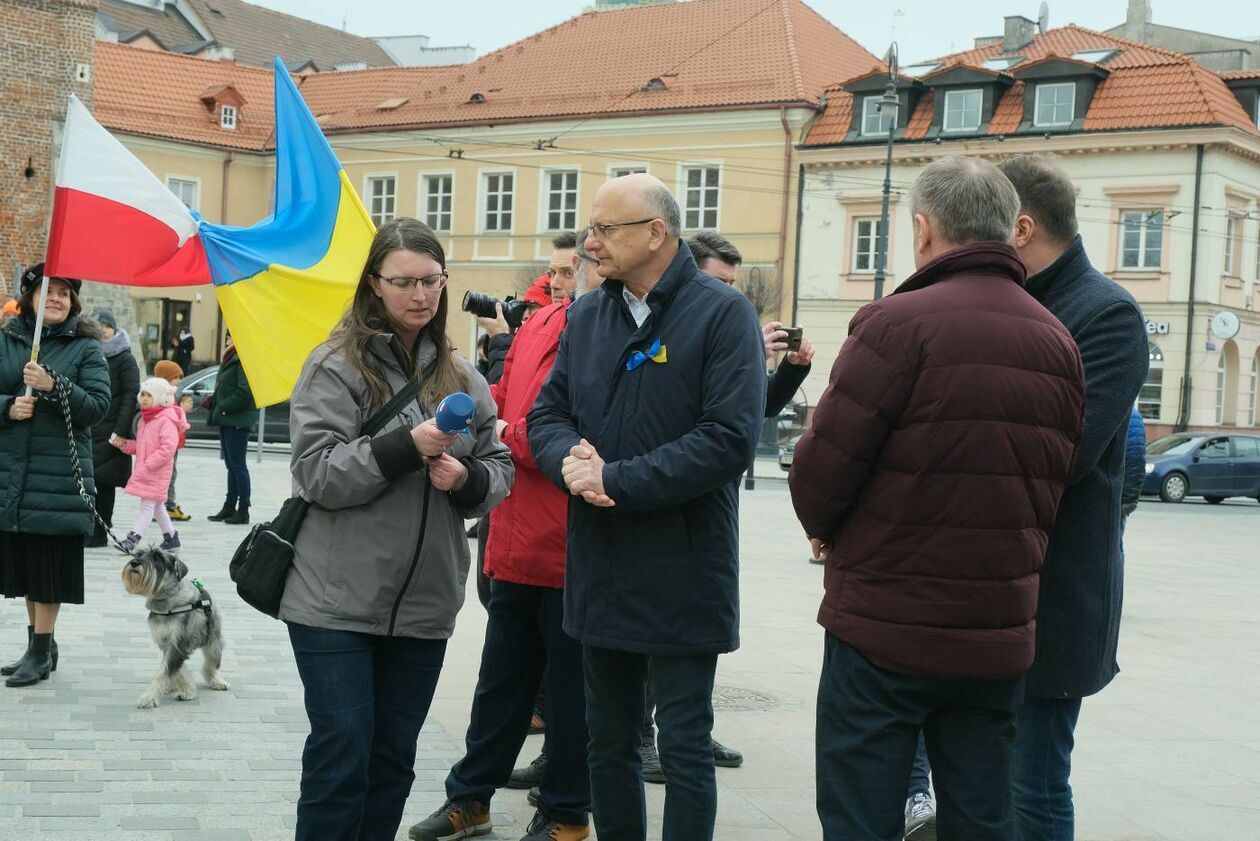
(366, 699)
(868, 728)
(920, 771)
(525, 638)
(170, 490)
(616, 683)
(1040, 768)
(105, 498)
(233, 445)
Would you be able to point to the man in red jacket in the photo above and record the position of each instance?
(929, 480)
(525, 557)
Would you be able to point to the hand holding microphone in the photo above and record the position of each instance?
(453, 416)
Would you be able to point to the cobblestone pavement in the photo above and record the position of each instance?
(1170, 751)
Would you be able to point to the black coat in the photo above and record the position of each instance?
(659, 572)
(112, 465)
(1082, 580)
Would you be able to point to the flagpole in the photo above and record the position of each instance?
(39, 325)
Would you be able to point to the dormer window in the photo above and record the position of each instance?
(962, 109)
(227, 117)
(875, 122)
(1055, 106)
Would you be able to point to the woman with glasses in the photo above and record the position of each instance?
(381, 559)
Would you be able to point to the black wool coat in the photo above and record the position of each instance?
(112, 465)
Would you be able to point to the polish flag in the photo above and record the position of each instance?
(113, 220)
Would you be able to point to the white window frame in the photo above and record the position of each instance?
(483, 201)
(1146, 223)
(618, 170)
(1037, 104)
(171, 178)
(945, 111)
(229, 116)
(544, 198)
(1253, 412)
(1233, 224)
(881, 122)
(1221, 371)
(872, 243)
(685, 191)
(369, 180)
(422, 208)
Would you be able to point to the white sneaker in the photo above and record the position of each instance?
(920, 811)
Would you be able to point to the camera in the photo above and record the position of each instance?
(793, 338)
(482, 306)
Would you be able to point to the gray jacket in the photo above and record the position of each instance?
(381, 551)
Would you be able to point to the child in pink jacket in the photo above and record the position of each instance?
(157, 440)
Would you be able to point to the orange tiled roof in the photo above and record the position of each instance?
(1231, 75)
(596, 64)
(1146, 87)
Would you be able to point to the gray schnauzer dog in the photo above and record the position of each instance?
(182, 618)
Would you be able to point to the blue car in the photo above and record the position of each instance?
(1214, 467)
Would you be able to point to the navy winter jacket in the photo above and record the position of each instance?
(1134, 463)
(1082, 579)
(659, 572)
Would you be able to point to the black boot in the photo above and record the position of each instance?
(17, 664)
(228, 509)
(241, 517)
(37, 664)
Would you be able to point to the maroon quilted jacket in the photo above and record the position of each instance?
(934, 467)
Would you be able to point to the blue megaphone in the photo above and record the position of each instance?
(455, 413)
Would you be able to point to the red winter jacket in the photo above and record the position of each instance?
(934, 467)
(527, 530)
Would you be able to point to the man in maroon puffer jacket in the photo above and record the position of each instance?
(929, 480)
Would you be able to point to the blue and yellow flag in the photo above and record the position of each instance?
(284, 282)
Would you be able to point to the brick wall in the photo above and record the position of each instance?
(44, 42)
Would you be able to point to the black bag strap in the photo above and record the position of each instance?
(383, 415)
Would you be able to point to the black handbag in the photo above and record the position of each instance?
(260, 566)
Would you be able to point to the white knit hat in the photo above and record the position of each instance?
(162, 392)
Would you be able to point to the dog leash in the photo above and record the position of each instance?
(62, 387)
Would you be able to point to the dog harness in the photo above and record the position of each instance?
(202, 603)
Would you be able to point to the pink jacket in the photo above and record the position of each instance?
(154, 449)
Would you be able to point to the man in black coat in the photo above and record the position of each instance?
(1082, 581)
(113, 466)
(649, 418)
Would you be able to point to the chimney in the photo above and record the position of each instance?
(1139, 16)
(1019, 32)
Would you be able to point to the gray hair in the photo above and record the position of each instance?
(662, 205)
(967, 199)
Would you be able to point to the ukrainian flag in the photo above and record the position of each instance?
(284, 282)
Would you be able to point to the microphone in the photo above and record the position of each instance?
(455, 413)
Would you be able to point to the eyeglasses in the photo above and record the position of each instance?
(429, 283)
(601, 231)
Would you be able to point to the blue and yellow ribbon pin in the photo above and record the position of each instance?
(656, 353)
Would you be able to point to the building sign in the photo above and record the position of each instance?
(1157, 328)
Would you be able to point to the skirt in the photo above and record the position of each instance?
(45, 568)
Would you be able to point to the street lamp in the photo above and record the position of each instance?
(889, 104)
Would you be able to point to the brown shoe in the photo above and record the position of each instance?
(542, 828)
(455, 820)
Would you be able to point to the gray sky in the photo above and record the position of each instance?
(923, 28)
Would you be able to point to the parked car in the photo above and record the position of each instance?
(1214, 467)
(200, 385)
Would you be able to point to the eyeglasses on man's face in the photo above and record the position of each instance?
(403, 283)
(601, 232)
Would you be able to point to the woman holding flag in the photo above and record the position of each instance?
(42, 518)
(381, 561)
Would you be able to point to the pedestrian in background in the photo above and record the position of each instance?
(112, 467)
(232, 410)
(381, 562)
(155, 445)
(649, 418)
(173, 374)
(930, 491)
(1134, 466)
(1082, 588)
(42, 518)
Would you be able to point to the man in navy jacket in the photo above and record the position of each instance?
(1082, 581)
(649, 418)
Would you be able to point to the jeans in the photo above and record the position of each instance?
(366, 699)
(616, 683)
(233, 444)
(920, 771)
(1041, 766)
(170, 491)
(525, 640)
(868, 727)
